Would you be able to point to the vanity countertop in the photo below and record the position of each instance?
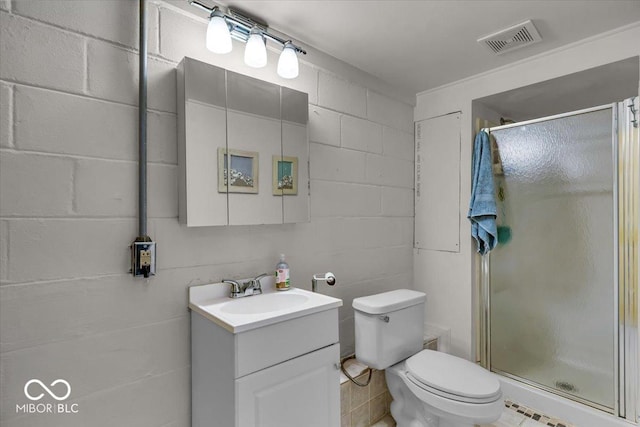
(244, 314)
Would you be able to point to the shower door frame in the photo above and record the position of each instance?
(626, 201)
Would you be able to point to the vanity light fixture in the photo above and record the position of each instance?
(225, 26)
(255, 52)
(218, 35)
(288, 62)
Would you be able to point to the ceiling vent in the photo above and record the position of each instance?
(512, 38)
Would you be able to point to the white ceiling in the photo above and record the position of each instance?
(418, 45)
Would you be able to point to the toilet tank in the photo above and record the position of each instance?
(389, 327)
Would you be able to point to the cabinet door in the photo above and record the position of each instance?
(202, 130)
(304, 391)
(294, 163)
(254, 136)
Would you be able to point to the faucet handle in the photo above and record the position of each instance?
(260, 276)
(256, 281)
(235, 287)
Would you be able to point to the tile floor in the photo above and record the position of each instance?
(387, 421)
(509, 418)
(515, 415)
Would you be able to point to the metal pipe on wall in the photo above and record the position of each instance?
(143, 249)
(142, 124)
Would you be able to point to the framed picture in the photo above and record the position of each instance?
(285, 175)
(240, 168)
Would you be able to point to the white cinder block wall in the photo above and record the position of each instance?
(68, 176)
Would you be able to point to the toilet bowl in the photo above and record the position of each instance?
(429, 388)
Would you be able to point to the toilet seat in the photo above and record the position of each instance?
(452, 377)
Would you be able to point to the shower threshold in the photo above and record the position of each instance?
(558, 391)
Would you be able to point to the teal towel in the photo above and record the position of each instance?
(482, 207)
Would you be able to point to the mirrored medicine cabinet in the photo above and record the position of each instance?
(243, 149)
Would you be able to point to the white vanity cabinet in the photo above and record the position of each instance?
(276, 370)
(299, 392)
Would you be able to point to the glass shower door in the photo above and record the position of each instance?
(552, 275)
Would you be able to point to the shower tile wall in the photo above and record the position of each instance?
(68, 179)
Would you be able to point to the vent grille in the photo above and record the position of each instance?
(512, 38)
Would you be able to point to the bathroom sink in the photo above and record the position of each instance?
(247, 313)
(265, 303)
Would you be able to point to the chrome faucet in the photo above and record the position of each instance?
(246, 289)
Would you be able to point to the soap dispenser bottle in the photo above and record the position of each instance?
(282, 275)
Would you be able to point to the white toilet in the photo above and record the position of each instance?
(429, 388)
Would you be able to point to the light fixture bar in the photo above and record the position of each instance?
(245, 21)
(240, 26)
(202, 6)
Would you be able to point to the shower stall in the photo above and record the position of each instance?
(559, 293)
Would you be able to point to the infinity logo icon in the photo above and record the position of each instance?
(52, 394)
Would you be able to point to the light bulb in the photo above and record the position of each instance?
(255, 53)
(288, 62)
(218, 36)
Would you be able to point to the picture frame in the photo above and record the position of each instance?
(285, 176)
(243, 171)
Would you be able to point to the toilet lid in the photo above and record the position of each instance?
(452, 377)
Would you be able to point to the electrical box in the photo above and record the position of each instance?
(143, 258)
